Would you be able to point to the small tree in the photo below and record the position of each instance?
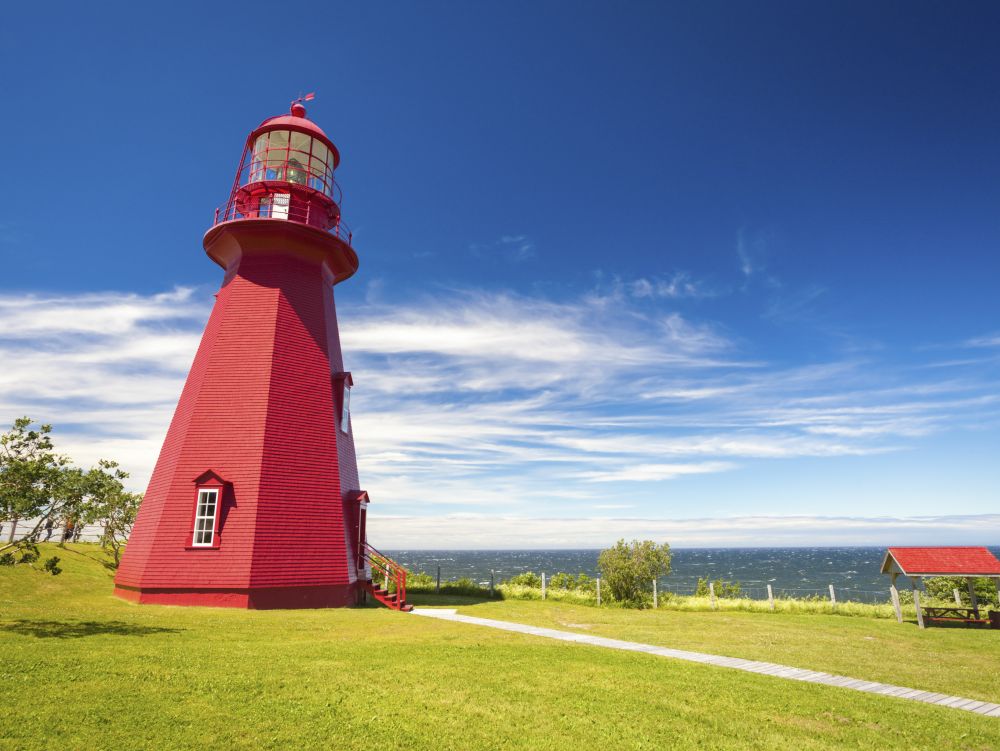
(34, 483)
(110, 505)
(629, 569)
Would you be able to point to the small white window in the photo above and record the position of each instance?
(204, 517)
(345, 413)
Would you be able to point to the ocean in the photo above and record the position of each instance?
(795, 572)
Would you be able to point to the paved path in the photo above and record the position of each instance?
(750, 666)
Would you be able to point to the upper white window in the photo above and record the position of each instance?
(204, 517)
(345, 412)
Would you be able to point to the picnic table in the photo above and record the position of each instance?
(954, 614)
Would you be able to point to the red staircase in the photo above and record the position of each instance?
(388, 582)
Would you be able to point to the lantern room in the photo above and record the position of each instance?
(287, 173)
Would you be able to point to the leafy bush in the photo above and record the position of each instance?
(419, 580)
(722, 587)
(629, 569)
(581, 582)
(942, 588)
(7, 559)
(52, 565)
(586, 583)
(29, 553)
(562, 581)
(527, 579)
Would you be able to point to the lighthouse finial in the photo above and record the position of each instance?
(298, 109)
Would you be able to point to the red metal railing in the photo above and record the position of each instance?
(307, 214)
(389, 574)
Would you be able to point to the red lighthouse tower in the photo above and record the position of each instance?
(255, 501)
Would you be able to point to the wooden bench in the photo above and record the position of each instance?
(953, 614)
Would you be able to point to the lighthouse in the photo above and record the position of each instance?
(255, 500)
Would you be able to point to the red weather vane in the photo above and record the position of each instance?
(307, 98)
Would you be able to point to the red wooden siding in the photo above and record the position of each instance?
(259, 410)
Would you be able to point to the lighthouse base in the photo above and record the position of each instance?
(254, 598)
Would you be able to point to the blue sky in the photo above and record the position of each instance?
(715, 273)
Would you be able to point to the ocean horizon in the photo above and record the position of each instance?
(795, 571)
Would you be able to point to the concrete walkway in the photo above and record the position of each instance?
(750, 666)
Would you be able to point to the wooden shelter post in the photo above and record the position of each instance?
(972, 595)
(916, 600)
(894, 593)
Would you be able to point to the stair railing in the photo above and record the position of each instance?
(390, 570)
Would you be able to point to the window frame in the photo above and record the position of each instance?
(208, 481)
(342, 383)
(214, 527)
(345, 409)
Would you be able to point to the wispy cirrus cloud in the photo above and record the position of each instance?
(464, 531)
(491, 402)
(989, 340)
(514, 248)
(677, 286)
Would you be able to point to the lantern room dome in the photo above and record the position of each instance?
(297, 120)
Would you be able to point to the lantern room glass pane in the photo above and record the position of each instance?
(301, 142)
(294, 157)
(296, 172)
(320, 152)
(278, 139)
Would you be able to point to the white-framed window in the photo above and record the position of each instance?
(204, 517)
(345, 412)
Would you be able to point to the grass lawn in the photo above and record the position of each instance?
(81, 669)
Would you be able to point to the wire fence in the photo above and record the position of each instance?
(58, 532)
(757, 590)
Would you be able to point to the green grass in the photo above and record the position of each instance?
(960, 661)
(81, 669)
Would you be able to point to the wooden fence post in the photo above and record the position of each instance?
(958, 597)
(770, 596)
(711, 593)
(543, 585)
(894, 596)
(833, 597)
(655, 601)
(437, 589)
(492, 578)
(598, 590)
(916, 604)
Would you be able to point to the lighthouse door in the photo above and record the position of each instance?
(279, 207)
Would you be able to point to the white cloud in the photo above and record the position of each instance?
(990, 340)
(679, 285)
(491, 402)
(654, 472)
(511, 247)
(480, 531)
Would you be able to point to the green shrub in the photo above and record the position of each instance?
(562, 581)
(52, 565)
(29, 553)
(629, 569)
(942, 588)
(527, 579)
(419, 580)
(723, 588)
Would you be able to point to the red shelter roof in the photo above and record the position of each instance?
(958, 561)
